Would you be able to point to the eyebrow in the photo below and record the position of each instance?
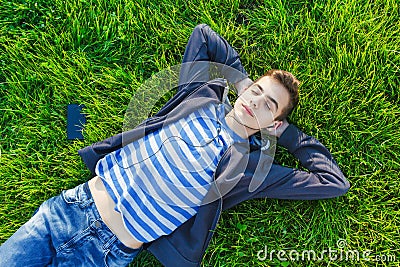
(269, 97)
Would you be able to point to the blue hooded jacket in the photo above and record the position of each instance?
(188, 243)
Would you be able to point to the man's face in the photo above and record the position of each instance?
(259, 105)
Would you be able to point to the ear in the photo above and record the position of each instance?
(277, 124)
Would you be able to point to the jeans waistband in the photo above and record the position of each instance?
(108, 233)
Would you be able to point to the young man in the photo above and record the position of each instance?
(125, 208)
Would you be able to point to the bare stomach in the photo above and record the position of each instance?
(110, 217)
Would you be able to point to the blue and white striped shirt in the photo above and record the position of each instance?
(159, 181)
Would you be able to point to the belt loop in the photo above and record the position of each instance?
(110, 242)
(88, 196)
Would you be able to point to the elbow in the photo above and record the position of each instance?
(199, 28)
(341, 187)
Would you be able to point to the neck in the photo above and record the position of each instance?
(236, 126)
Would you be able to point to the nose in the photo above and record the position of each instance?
(255, 102)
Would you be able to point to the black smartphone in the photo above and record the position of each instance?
(76, 121)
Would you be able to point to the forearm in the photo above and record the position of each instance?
(309, 151)
(324, 178)
(207, 49)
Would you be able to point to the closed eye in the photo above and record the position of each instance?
(261, 91)
(257, 91)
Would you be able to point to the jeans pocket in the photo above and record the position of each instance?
(77, 242)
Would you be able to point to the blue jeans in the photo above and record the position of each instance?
(66, 230)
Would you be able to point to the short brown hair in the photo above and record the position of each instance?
(290, 82)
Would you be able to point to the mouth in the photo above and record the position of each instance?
(248, 110)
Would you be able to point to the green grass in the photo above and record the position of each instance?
(97, 52)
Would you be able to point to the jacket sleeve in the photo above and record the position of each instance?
(204, 48)
(323, 179)
(93, 153)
